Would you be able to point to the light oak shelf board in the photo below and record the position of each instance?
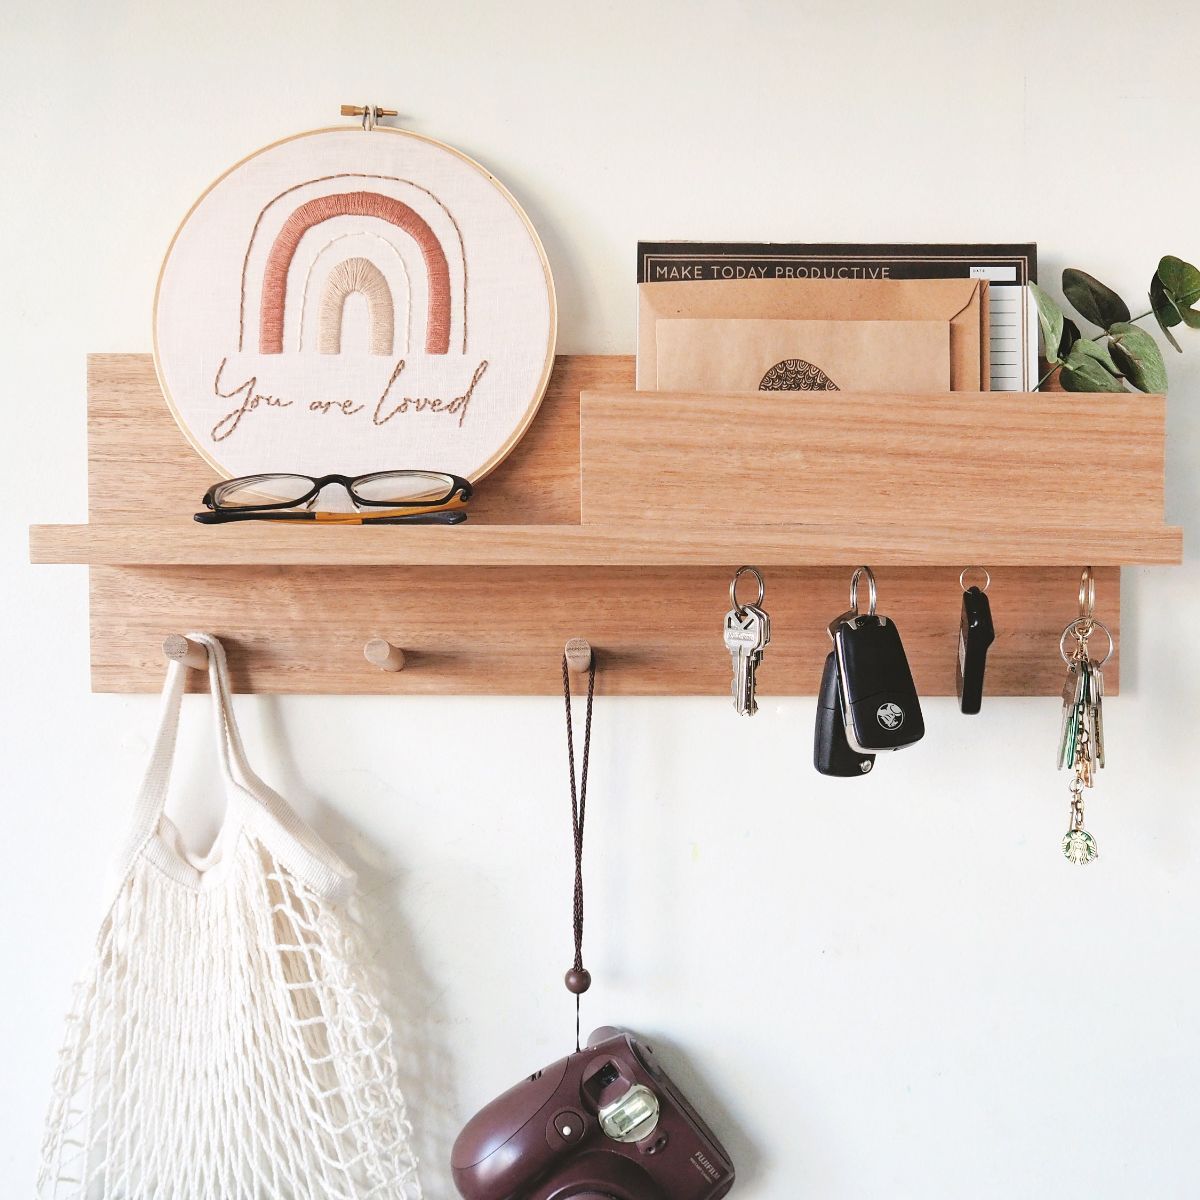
(1013, 460)
(919, 488)
(184, 543)
(501, 630)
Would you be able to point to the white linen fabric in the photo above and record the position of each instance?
(445, 376)
(228, 1041)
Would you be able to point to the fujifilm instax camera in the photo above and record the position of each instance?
(604, 1123)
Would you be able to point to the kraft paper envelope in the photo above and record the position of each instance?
(745, 355)
(960, 302)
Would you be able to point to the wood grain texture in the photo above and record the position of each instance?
(181, 542)
(140, 465)
(485, 608)
(1012, 460)
(501, 631)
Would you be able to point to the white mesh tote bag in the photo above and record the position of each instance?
(227, 1042)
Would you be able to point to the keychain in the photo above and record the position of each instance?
(747, 635)
(880, 707)
(975, 634)
(1081, 734)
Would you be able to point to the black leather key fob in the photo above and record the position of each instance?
(975, 634)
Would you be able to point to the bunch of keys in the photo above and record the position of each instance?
(1081, 734)
(747, 635)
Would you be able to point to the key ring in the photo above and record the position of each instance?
(987, 578)
(1087, 600)
(762, 591)
(1087, 594)
(871, 594)
(1076, 627)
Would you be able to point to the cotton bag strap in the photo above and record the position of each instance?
(250, 800)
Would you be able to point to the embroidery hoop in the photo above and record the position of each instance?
(370, 129)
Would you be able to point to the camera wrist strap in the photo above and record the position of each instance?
(578, 980)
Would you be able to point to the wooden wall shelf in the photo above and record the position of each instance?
(171, 543)
(563, 542)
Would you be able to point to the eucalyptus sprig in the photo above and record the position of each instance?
(1122, 353)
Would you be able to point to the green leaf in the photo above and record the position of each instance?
(1092, 300)
(1085, 349)
(1163, 302)
(1090, 368)
(1070, 335)
(1181, 282)
(1138, 356)
(1050, 319)
(1165, 311)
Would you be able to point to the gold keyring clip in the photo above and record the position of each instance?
(1092, 625)
(1087, 600)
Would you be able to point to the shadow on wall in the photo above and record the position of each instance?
(409, 996)
(747, 1161)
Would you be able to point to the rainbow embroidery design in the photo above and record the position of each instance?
(351, 301)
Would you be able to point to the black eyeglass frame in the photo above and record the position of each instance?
(460, 488)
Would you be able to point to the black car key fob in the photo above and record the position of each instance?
(879, 700)
(832, 754)
(975, 634)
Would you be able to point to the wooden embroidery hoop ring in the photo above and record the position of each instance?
(539, 392)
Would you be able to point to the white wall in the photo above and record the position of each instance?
(897, 989)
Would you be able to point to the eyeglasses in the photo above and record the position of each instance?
(403, 498)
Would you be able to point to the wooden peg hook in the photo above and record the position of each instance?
(182, 649)
(579, 654)
(384, 655)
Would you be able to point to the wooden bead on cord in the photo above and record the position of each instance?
(579, 654)
(384, 655)
(578, 981)
(182, 649)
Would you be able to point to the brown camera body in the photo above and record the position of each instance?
(604, 1123)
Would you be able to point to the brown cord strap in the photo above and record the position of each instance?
(578, 980)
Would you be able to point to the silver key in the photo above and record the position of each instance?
(1072, 695)
(744, 638)
(1086, 714)
(1096, 698)
(764, 640)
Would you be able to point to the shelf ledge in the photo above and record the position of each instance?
(185, 543)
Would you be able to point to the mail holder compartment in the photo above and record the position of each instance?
(675, 491)
(1005, 462)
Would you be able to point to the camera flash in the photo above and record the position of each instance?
(632, 1117)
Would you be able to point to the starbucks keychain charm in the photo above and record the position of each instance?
(1078, 845)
